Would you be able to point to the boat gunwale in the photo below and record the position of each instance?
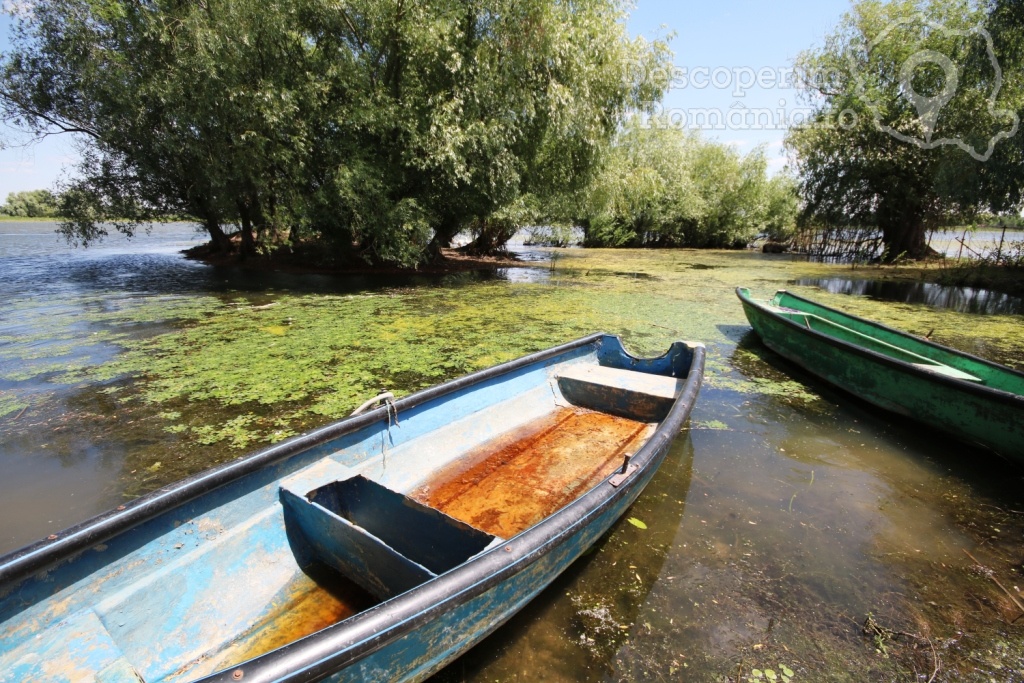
(332, 649)
(41, 555)
(960, 384)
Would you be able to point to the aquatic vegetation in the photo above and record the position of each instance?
(709, 424)
(11, 402)
(769, 675)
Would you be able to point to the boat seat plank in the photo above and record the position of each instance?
(345, 547)
(948, 371)
(626, 393)
(379, 538)
(859, 338)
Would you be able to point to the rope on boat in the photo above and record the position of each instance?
(386, 398)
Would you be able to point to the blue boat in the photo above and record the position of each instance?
(379, 547)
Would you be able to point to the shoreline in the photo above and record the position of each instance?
(452, 261)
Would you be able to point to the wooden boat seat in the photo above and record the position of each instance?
(948, 371)
(382, 540)
(627, 393)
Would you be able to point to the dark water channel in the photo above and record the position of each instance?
(960, 299)
(791, 529)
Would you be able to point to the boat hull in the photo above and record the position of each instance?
(198, 581)
(970, 411)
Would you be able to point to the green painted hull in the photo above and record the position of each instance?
(973, 399)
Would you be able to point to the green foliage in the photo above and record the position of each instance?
(30, 204)
(1002, 184)
(662, 186)
(381, 128)
(872, 155)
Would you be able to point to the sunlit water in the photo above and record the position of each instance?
(964, 243)
(785, 516)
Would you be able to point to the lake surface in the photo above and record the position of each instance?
(969, 244)
(791, 528)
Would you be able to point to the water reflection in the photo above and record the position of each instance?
(38, 262)
(960, 299)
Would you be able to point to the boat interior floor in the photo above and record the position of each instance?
(513, 481)
(501, 487)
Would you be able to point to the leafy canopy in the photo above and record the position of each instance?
(909, 110)
(378, 128)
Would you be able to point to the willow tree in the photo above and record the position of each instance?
(380, 128)
(455, 115)
(1003, 181)
(909, 104)
(662, 186)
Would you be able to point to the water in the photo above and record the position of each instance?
(967, 244)
(960, 299)
(785, 516)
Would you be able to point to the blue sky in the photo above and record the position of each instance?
(719, 48)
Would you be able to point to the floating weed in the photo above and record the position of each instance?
(770, 676)
(715, 425)
(747, 373)
(257, 368)
(637, 523)
(11, 403)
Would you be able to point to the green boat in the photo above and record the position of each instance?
(971, 398)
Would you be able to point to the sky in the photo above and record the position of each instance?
(731, 56)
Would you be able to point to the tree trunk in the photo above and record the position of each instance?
(491, 239)
(248, 239)
(904, 239)
(442, 239)
(221, 242)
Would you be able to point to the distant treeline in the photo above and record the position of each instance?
(378, 130)
(30, 204)
(664, 187)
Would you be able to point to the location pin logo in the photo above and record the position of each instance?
(928, 108)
